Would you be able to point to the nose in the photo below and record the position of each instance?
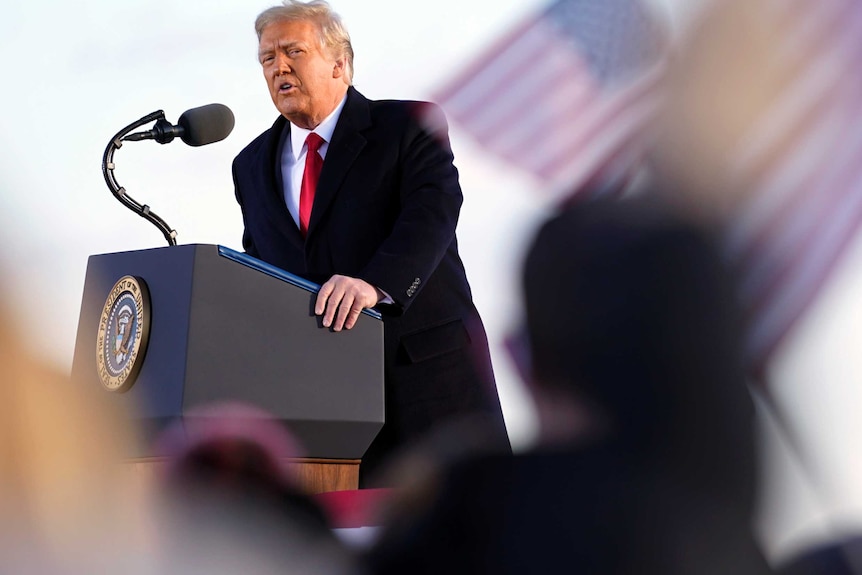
(282, 66)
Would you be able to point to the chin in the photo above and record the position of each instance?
(289, 110)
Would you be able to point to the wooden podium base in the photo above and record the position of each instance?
(313, 475)
(323, 475)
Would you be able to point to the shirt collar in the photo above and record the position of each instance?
(324, 129)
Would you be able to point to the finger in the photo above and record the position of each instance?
(352, 316)
(343, 311)
(332, 305)
(323, 295)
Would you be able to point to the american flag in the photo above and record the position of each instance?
(565, 94)
(803, 161)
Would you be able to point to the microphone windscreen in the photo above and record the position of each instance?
(207, 124)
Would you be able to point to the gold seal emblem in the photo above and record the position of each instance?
(124, 331)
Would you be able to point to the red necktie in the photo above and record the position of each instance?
(313, 165)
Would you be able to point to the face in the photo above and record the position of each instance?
(305, 81)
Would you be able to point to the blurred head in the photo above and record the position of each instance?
(759, 139)
(66, 503)
(750, 86)
(719, 83)
(230, 502)
(630, 315)
(230, 452)
(307, 59)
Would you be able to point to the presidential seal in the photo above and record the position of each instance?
(124, 331)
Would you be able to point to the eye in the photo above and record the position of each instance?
(266, 59)
(294, 52)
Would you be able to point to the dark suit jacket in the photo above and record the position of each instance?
(385, 211)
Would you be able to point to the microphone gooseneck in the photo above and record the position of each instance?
(196, 127)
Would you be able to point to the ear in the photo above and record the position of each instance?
(338, 67)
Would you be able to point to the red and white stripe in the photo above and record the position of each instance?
(533, 101)
(806, 201)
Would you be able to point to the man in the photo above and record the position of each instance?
(380, 228)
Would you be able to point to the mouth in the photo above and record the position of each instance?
(285, 87)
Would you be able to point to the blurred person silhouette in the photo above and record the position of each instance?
(231, 504)
(760, 136)
(758, 133)
(67, 504)
(646, 460)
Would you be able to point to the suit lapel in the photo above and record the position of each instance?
(347, 142)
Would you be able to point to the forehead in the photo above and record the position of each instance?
(289, 32)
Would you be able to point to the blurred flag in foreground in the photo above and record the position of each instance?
(762, 128)
(564, 95)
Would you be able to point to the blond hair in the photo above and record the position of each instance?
(333, 34)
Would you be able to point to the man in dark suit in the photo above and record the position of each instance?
(377, 229)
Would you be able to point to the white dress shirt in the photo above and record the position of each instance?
(293, 157)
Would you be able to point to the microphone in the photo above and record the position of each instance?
(196, 127)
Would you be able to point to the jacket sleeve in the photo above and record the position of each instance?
(430, 201)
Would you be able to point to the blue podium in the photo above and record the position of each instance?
(220, 325)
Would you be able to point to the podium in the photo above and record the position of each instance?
(218, 325)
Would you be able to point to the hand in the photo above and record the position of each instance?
(342, 299)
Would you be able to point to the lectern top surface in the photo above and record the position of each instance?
(281, 274)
